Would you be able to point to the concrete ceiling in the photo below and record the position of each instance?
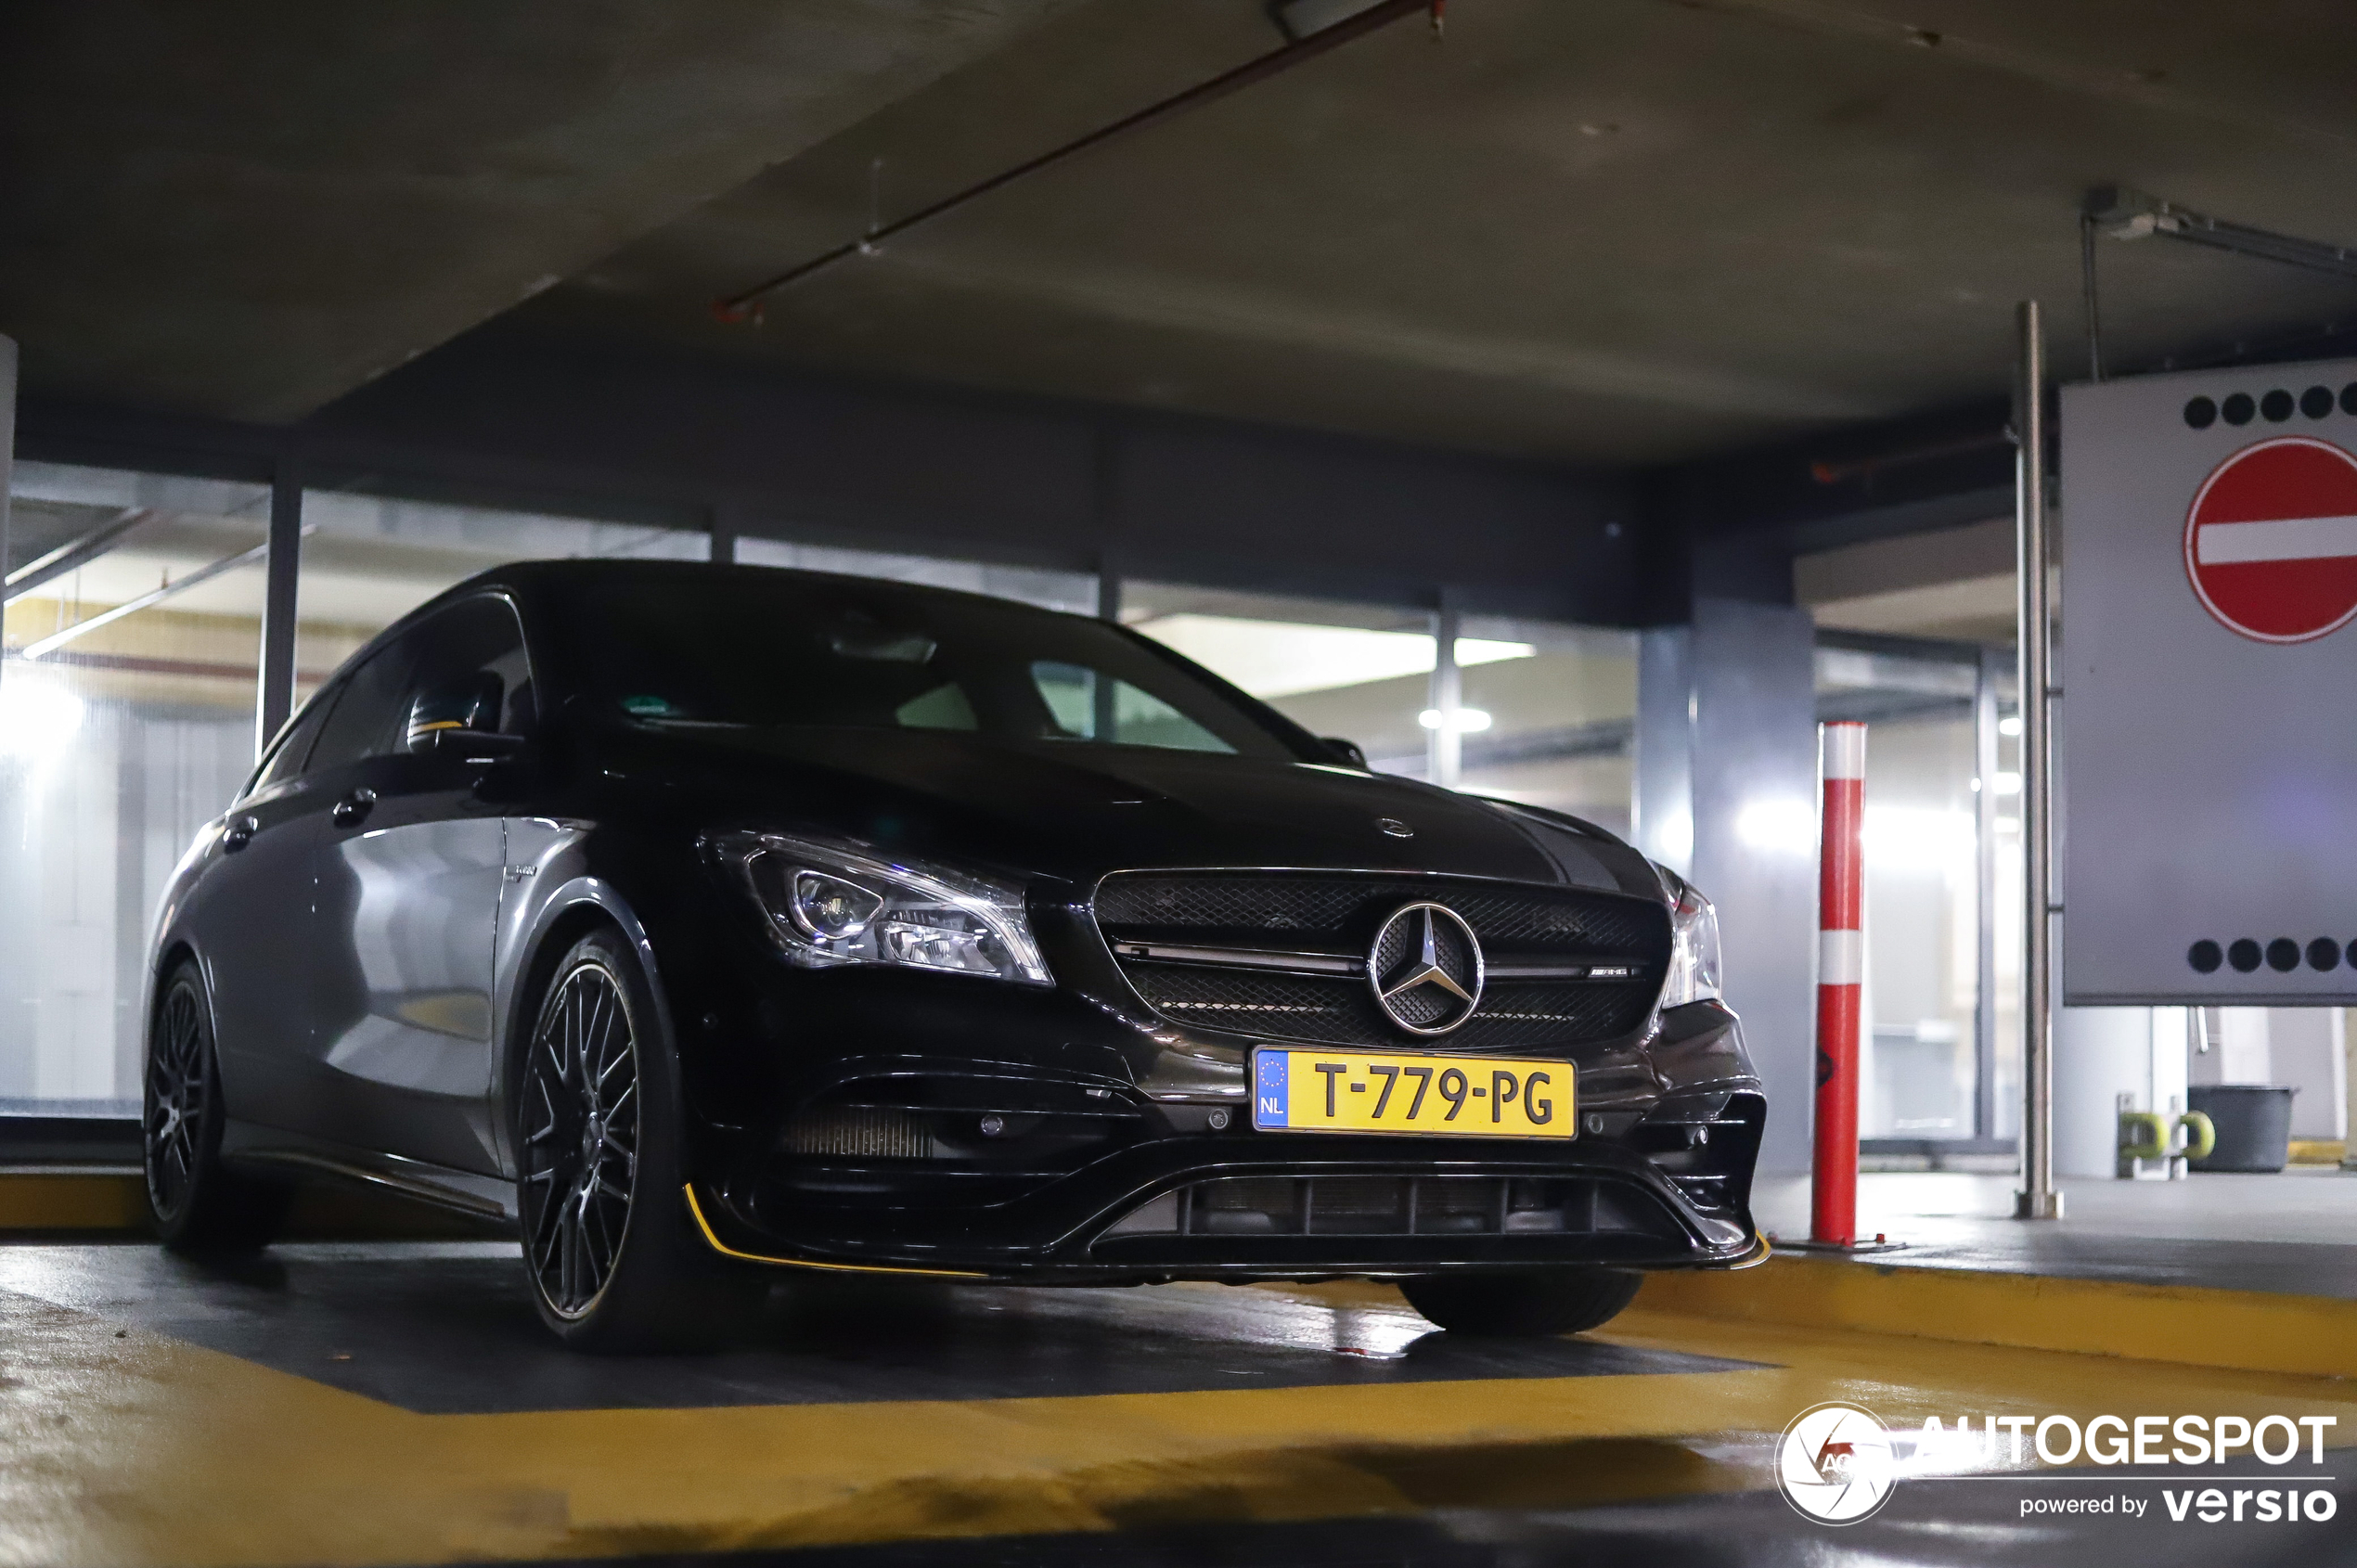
(249, 210)
(1618, 231)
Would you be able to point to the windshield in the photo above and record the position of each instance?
(771, 648)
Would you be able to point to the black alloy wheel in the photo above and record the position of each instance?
(178, 1097)
(615, 1262)
(196, 1202)
(580, 1157)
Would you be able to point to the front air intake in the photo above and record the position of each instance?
(860, 1132)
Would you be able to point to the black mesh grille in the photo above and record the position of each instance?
(1310, 910)
(1340, 914)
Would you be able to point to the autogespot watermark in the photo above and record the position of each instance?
(1838, 1463)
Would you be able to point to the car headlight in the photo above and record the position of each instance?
(829, 904)
(1693, 944)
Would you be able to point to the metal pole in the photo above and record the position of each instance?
(1984, 1100)
(2037, 1198)
(1444, 748)
(723, 528)
(7, 449)
(274, 693)
(1841, 980)
(1107, 718)
(2088, 294)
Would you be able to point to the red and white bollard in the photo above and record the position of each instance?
(1841, 973)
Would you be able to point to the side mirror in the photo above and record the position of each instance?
(1346, 753)
(473, 745)
(462, 720)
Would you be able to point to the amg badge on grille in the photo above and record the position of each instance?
(1425, 968)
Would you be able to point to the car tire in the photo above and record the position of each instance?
(1558, 1301)
(615, 1263)
(196, 1202)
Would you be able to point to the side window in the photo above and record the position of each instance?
(288, 759)
(365, 721)
(470, 672)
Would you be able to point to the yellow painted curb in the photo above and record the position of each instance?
(2243, 1330)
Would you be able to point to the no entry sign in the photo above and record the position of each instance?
(2208, 829)
(2271, 540)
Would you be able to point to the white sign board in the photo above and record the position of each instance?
(2207, 730)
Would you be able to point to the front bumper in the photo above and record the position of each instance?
(1129, 1178)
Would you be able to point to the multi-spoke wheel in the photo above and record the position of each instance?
(580, 1154)
(196, 1201)
(600, 1175)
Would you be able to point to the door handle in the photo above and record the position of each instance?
(240, 834)
(353, 810)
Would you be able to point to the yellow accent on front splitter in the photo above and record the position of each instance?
(726, 1250)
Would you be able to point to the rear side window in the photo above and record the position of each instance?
(289, 759)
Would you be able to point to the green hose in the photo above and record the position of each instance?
(2142, 1136)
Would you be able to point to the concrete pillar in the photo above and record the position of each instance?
(1726, 793)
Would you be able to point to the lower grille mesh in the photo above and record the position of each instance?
(1397, 1206)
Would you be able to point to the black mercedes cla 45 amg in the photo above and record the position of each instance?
(711, 924)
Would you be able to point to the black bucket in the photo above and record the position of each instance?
(2253, 1122)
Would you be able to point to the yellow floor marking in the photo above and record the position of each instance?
(140, 1450)
(2251, 1330)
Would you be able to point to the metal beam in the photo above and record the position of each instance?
(2037, 1198)
(273, 688)
(1984, 1022)
(72, 555)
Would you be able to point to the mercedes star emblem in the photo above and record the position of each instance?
(1395, 829)
(1426, 969)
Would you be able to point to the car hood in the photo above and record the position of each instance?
(1078, 811)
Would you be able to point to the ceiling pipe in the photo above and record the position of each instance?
(153, 597)
(72, 555)
(2131, 214)
(746, 304)
(1825, 472)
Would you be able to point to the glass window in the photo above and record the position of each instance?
(470, 669)
(1130, 717)
(369, 709)
(1360, 672)
(1548, 716)
(120, 733)
(1919, 1065)
(795, 649)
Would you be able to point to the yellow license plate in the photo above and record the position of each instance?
(1300, 1091)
